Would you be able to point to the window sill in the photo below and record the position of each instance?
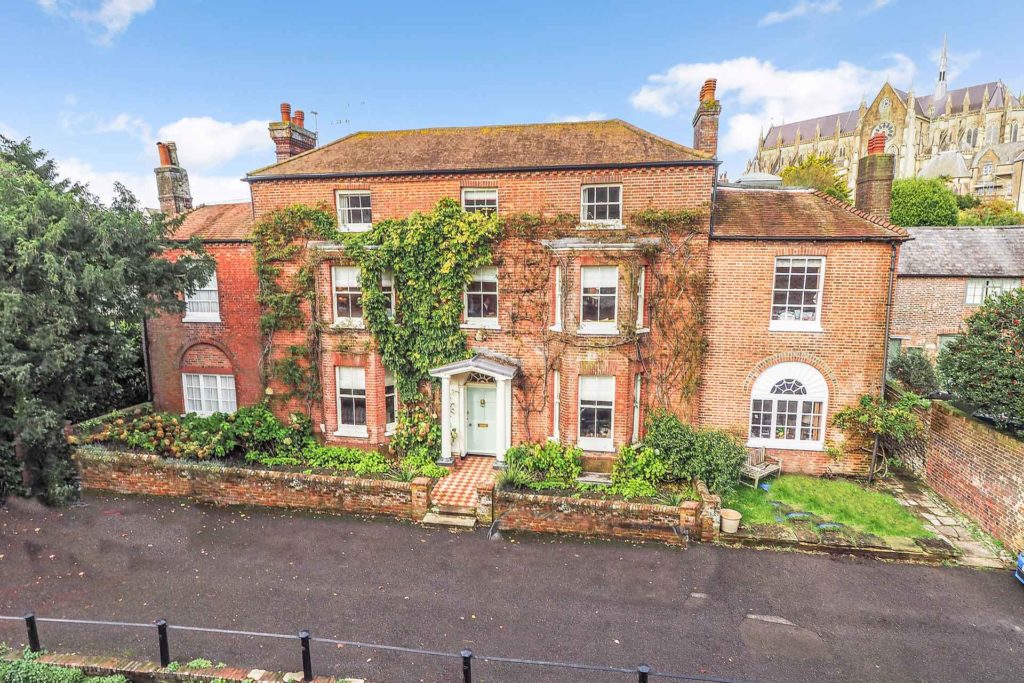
(591, 444)
(598, 331)
(358, 227)
(480, 324)
(555, 328)
(201, 318)
(390, 428)
(786, 444)
(349, 324)
(601, 225)
(643, 330)
(793, 326)
(356, 431)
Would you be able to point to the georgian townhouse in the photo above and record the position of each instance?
(755, 311)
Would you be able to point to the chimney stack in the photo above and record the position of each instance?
(172, 181)
(290, 135)
(705, 120)
(875, 173)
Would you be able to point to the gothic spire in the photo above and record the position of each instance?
(940, 86)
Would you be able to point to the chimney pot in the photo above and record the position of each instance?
(876, 144)
(300, 118)
(165, 154)
(286, 112)
(707, 91)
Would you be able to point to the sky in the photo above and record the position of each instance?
(98, 82)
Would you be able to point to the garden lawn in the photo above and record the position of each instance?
(844, 502)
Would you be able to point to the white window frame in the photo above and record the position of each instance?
(981, 288)
(797, 325)
(343, 277)
(482, 193)
(556, 406)
(387, 286)
(484, 274)
(349, 379)
(344, 225)
(222, 384)
(986, 169)
(204, 316)
(599, 223)
(816, 392)
(392, 398)
(603, 387)
(641, 299)
(557, 326)
(599, 327)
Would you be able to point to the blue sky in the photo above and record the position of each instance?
(97, 82)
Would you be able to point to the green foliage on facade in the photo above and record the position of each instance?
(984, 366)
(818, 172)
(431, 257)
(922, 201)
(74, 276)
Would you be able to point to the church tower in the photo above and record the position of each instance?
(940, 86)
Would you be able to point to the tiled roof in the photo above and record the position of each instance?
(847, 121)
(794, 213)
(214, 222)
(483, 148)
(964, 251)
(1006, 152)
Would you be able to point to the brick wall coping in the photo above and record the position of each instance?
(96, 454)
(597, 503)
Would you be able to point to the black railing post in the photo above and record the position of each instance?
(307, 661)
(467, 666)
(33, 632)
(165, 648)
(642, 672)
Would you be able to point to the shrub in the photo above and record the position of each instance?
(515, 475)
(712, 455)
(922, 201)
(417, 440)
(551, 464)
(915, 370)
(29, 669)
(359, 462)
(991, 212)
(984, 366)
(638, 471)
(673, 439)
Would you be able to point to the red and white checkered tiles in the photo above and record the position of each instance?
(458, 489)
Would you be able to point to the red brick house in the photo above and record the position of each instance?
(732, 320)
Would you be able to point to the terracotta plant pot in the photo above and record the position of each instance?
(730, 521)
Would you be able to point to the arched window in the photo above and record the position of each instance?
(969, 137)
(788, 407)
(1013, 132)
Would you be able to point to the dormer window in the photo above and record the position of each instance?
(354, 213)
(601, 205)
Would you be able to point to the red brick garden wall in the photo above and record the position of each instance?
(978, 469)
(220, 485)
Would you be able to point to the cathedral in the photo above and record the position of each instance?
(972, 136)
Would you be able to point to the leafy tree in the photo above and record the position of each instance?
(892, 422)
(922, 201)
(966, 201)
(74, 274)
(991, 212)
(819, 172)
(915, 371)
(984, 366)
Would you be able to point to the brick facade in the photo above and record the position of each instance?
(926, 307)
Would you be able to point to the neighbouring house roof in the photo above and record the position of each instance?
(964, 251)
(217, 222)
(1006, 152)
(758, 213)
(483, 148)
(950, 163)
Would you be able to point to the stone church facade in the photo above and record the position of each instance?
(974, 136)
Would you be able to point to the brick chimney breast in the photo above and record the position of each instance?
(290, 135)
(172, 186)
(705, 120)
(875, 173)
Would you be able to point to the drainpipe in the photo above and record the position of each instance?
(145, 360)
(885, 351)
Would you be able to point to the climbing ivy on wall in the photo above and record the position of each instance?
(431, 257)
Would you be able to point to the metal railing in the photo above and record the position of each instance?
(643, 673)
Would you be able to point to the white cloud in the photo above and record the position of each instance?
(575, 118)
(104, 19)
(756, 93)
(800, 9)
(126, 123)
(204, 142)
(879, 4)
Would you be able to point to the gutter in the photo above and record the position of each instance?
(479, 171)
(145, 359)
(783, 238)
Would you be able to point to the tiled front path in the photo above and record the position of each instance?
(458, 489)
(979, 550)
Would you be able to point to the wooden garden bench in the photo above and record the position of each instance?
(759, 466)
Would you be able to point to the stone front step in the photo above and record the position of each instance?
(599, 478)
(440, 519)
(463, 510)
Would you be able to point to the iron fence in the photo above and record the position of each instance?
(465, 658)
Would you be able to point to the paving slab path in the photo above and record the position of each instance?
(735, 613)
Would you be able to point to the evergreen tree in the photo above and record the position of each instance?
(75, 276)
(818, 172)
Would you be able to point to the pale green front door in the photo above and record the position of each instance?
(481, 414)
